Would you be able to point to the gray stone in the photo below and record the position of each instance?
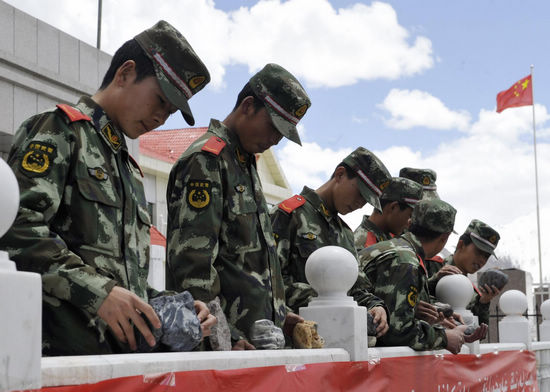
(444, 308)
(371, 325)
(220, 336)
(265, 335)
(493, 277)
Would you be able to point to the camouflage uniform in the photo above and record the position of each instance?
(485, 238)
(396, 268)
(399, 189)
(221, 244)
(219, 238)
(368, 233)
(83, 222)
(304, 230)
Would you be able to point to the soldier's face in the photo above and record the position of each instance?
(469, 258)
(347, 197)
(142, 106)
(399, 219)
(256, 130)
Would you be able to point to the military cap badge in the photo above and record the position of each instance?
(426, 180)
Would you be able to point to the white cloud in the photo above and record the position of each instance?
(321, 45)
(415, 108)
(486, 174)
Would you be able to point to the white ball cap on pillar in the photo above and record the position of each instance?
(331, 271)
(9, 197)
(455, 290)
(513, 302)
(545, 309)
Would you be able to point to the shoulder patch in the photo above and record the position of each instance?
(371, 239)
(198, 194)
(214, 145)
(72, 113)
(292, 203)
(136, 165)
(412, 296)
(437, 259)
(38, 158)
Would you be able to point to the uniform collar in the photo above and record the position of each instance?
(112, 135)
(371, 226)
(222, 131)
(317, 202)
(416, 244)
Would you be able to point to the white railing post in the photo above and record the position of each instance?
(514, 327)
(457, 291)
(332, 271)
(20, 305)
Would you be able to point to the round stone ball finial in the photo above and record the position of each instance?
(9, 197)
(545, 309)
(331, 271)
(513, 302)
(455, 290)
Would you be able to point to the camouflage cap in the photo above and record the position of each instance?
(435, 215)
(483, 236)
(402, 190)
(425, 177)
(180, 72)
(373, 175)
(285, 99)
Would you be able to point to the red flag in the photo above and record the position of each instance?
(520, 94)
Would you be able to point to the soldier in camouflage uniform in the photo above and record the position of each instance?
(397, 202)
(309, 221)
(396, 268)
(426, 178)
(220, 241)
(83, 222)
(472, 252)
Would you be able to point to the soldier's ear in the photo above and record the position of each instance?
(125, 74)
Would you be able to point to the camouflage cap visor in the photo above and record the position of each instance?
(482, 244)
(368, 189)
(167, 78)
(282, 120)
(429, 194)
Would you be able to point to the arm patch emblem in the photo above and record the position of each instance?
(412, 297)
(38, 159)
(198, 194)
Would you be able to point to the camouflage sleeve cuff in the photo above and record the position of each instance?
(440, 338)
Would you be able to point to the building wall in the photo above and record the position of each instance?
(41, 66)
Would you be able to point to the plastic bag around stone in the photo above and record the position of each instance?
(493, 277)
(180, 330)
(265, 335)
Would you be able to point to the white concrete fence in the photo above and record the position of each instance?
(341, 322)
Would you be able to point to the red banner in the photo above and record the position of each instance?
(502, 371)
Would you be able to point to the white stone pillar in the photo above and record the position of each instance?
(20, 305)
(544, 328)
(157, 266)
(457, 291)
(514, 327)
(332, 271)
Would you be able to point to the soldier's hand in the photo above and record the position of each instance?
(455, 338)
(206, 319)
(120, 308)
(380, 317)
(427, 312)
(488, 293)
(243, 345)
(447, 270)
(478, 334)
(291, 320)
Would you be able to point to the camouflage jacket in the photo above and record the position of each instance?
(475, 306)
(219, 237)
(396, 269)
(433, 265)
(82, 222)
(300, 232)
(367, 234)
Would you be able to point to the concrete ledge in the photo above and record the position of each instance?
(58, 371)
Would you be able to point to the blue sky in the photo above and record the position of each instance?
(414, 81)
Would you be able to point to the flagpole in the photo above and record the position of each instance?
(536, 181)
